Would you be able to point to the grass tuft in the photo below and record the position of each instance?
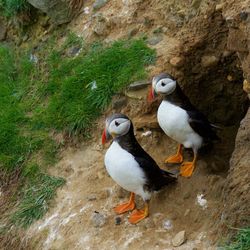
(241, 241)
(13, 7)
(36, 195)
(82, 87)
(13, 146)
(20, 144)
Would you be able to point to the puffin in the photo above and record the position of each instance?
(181, 121)
(131, 167)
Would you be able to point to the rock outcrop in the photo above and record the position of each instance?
(236, 196)
(237, 16)
(237, 189)
(60, 11)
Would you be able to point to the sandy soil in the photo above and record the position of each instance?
(89, 190)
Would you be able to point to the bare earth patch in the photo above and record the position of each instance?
(71, 222)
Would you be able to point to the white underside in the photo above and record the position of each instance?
(125, 171)
(174, 122)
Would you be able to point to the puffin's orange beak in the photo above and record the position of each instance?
(151, 95)
(104, 137)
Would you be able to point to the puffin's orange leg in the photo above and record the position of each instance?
(138, 215)
(125, 207)
(187, 168)
(177, 158)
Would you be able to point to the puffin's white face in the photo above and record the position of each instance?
(115, 125)
(118, 127)
(165, 86)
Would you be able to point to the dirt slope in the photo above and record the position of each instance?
(89, 190)
(211, 75)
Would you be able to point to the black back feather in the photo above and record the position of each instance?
(156, 177)
(197, 120)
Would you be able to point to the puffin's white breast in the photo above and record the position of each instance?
(174, 122)
(125, 170)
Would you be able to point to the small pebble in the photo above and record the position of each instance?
(118, 220)
(146, 134)
(230, 78)
(98, 219)
(201, 201)
(99, 4)
(246, 86)
(86, 10)
(179, 238)
(75, 51)
(186, 195)
(187, 212)
(154, 40)
(33, 58)
(25, 38)
(209, 61)
(226, 53)
(91, 197)
(243, 15)
(219, 7)
(167, 224)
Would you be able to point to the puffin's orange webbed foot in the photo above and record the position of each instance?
(125, 207)
(174, 159)
(138, 215)
(187, 168)
(177, 158)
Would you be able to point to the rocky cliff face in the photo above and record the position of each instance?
(237, 189)
(236, 196)
(206, 46)
(60, 11)
(237, 16)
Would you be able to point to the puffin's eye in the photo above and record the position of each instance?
(117, 123)
(163, 84)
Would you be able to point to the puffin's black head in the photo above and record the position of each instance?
(163, 84)
(116, 125)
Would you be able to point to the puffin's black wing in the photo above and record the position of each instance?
(201, 125)
(156, 177)
(197, 120)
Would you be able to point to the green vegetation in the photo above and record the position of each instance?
(241, 241)
(82, 87)
(12, 7)
(55, 89)
(20, 144)
(39, 190)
